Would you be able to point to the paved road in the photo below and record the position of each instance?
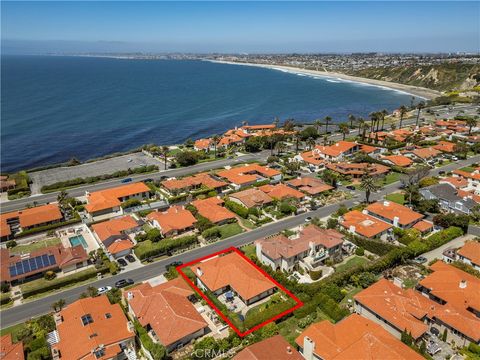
(80, 191)
(438, 252)
(43, 305)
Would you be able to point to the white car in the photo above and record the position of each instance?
(103, 289)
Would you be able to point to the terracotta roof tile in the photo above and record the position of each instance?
(249, 173)
(114, 227)
(109, 198)
(281, 191)
(252, 197)
(398, 160)
(391, 210)
(203, 179)
(309, 185)
(213, 210)
(471, 251)
(176, 218)
(31, 217)
(9, 350)
(364, 224)
(275, 347)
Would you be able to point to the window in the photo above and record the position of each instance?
(99, 353)
(108, 316)
(87, 319)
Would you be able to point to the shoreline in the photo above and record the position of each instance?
(420, 92)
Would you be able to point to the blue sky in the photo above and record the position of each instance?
(39, 27)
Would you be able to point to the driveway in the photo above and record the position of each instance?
(455, 243)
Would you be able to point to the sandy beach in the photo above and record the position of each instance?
(419, 92)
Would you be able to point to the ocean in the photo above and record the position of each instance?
(58, 107)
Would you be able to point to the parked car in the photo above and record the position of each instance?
(308, 219)
(127, 180)
(350, 187)
(174, 264)
(441, 173)
(102, 290)
(130, 258)
(148, 180)
(420, 259)
(122, 262)
(123, 282)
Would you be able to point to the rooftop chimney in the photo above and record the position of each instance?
(308, 347)
(386, 203)
(463, 284)
(199, 272)
(129, 296)
(289, 350)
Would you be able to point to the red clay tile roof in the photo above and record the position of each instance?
(109, 198)
(213, 210)
(248, 173)
(391, 210)
(309, 185)
(275, 347)
(312, 157)
(202, 144)
(120, 245)
(252, 197)
(259, 127)
(114, 227)
(77, 340)
(336, 149)
(203, 179)
(367, 149)
(166, 309)
(423, 226)
(355, 338)
(445, 146)
(404, 309)
(358, 168)
(281, 191)
(471, 251)
(176, 218)
(364, 224)
(30, 217)
(398, 160)
(232, 269)
(426, 153)
(9, 350)
(457, 181)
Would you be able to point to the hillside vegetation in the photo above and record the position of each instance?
(443, 77)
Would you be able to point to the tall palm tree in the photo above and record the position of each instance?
(352, 119)
(366, 127)
(368, 185)
(325, 140)
(344, 129)
(403, 111)
(327, 119)
(317, 124)
(297, 141)
(281, 146)
(215, 139)
(62, 196)
(164, 152)
(383, 113)
(420, 106)
(361, 125)
(310, 143)
(373, 119)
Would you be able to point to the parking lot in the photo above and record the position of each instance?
(96, 168)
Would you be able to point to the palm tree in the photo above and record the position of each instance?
(297, 141)
(344, 129)
(325, 140)
(361, 125)
(373, 119)
(317, 124)
(383, 113)
(276, 121)
(327, 119)
(403, 111)
(471, 122)
(62, 196)
(368, 185)
(281, 146)
(366, 127)
(420, 106)
(164, 152)
(58, 305)
(310, 142)
(215, 140)
(352, 119)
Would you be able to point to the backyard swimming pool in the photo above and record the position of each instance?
(78, 240)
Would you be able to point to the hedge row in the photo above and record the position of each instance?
(238, 209)
(41, 285)
(148, 249)
(272, 310)
(47, 227)
(373, 246)
(435, 240)
(5, 298)
(94, 179)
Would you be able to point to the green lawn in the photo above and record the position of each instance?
(248, 224)
(391, 177)
(468, 169)
(230, 230)
(14, 330)
(35, 246)
(354, 261)
(249, 250)
(351, 293)
(398, 198)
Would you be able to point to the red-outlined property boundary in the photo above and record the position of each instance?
(217, 310)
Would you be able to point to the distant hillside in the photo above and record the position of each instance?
(443, 77)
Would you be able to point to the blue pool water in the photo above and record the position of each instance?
(78, 240)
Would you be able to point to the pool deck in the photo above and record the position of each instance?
(66, 234)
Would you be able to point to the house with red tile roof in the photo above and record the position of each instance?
(445, 146)
(10, 350)
(457, 181)
(251, 198)
(426, 153)
(203, 145)
(338, 151)
(175, 220)
(17, 268)
(313, 159)
(308, 249)
(275, 347)
(394, 308)
(114, 234)
(470, 254)
(456, 294)
(256, 128)
(360, 223)
(6, 183)
(394, 214)
(397, 160)
(309, 185)
(231, 272)
(282, 192)
(357, 170)
(109, 201)
(354, 337)
(246, 175)
(213, 210)
(167, 312)
(92, 328)
(233, 137)
(17, 221)
(193, 183)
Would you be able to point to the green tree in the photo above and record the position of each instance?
(403, 111)
(344, 129)
(420, 106)
(327, 120)
(186, 158)
(352, 119)
(164, 153)
(215, 140)
(330, 177)
(368, 185)
(317, 124)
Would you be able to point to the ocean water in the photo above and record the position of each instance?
(54, 108)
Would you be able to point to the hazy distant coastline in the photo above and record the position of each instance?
(419, 92)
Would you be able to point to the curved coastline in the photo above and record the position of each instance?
(416, 91)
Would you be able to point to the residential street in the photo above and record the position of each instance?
(43, 305)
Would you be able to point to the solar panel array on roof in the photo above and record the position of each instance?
(31, 264)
